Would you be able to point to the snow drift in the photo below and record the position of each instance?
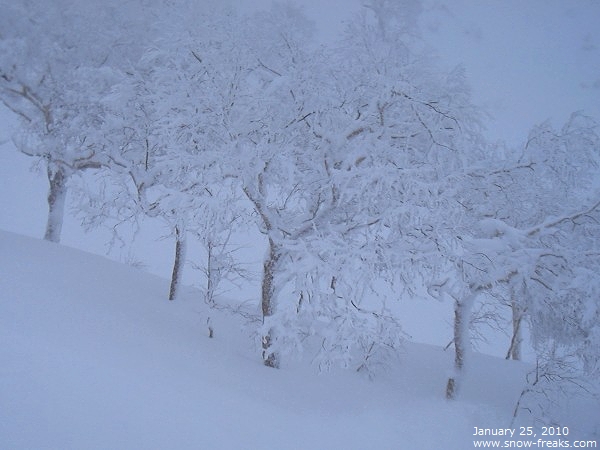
(93, 356)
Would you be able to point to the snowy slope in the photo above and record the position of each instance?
(93, 356)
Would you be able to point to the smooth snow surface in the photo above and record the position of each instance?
(93, 356)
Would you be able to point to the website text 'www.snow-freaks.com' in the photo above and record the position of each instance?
(540, 443)
(552, 437)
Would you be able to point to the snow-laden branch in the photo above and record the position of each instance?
(551, 223)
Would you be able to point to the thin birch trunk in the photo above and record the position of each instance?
(180, 248)
(514, 351)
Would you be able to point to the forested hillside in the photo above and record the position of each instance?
(357, 173)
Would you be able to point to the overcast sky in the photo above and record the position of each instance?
(527, 60)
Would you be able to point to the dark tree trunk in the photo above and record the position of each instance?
(270, 358)
(211, 274)
(514, 351)
(56, 203)
(270, 268)
(462, 317)
(180, 247)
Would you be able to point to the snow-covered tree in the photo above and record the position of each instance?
(164, 128)
(418, 131)
(561, 302)
(352, 169)
(56, 62)
(533, 237)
